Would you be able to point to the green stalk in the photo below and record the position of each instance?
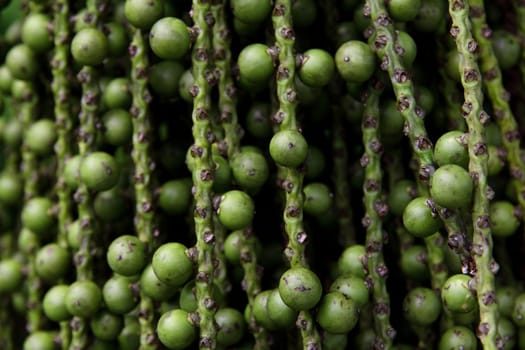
(474, 116)
(221, 41)
(293, 213)
(383, 42)
(499, 98)
(203, 176)
(375, 210)
(63, 147)
(89, 109)
(29, 169)
(84, 199)
(144, 212)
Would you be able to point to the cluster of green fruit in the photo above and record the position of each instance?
(262, 174)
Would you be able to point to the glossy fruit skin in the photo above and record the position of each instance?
(400, 195)
(72, 171)
(255, 64)
(126, 255)
(430, 15)
(99, 171)
(250, 170)
(258, 120)
(117, 94)
(351, 261)
(143, 13)
(41, 340)
(153, 287)
(318, 198)
(6, 80)
(36, 33)
(11, 275)
(503, 221)
(414, 263)
(84, 298)
(352, 287)
(231, 326)
(260, 310)
(117, 38)
(169, 38)
(506, 48)
(451, 186)
(164, 78)
(89, 47)
(54, 305)
(11, 188)
(175, 331)
(188, 300)
(451, 148)
(119, 295)
(337, 313)
(420, 219)
(408, 45)
(355, 61)
(404, 10)
(171, 264)
(391, 123)
(175, 196)
(458, 337)
(518, 312)
(421, 306)
(236, 210)
(317, 68)
(300, 288)
(118, 127)
(41, 136)
(506, 297)
(111, 205)
(304, 13)
(506, 333)
(457, 295)
(129, 337)
(186, 81)
(37, 216)
(52, 262)
(288, 148)
(251, 11)
(106, 326)
(280, 314)
(22, 62)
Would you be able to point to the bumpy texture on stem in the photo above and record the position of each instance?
(63, 146)
(89, 107)
(29, 165)
(477, 147)
(499, 98)
(144, 213)
(221, 43)
(375, 210)
(384, 43)
(203, 174)
(293, 178)
(221, 40)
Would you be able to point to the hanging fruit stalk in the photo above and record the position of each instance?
(292, 181)
(472, 110)
(375, 210)
(203, 173)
